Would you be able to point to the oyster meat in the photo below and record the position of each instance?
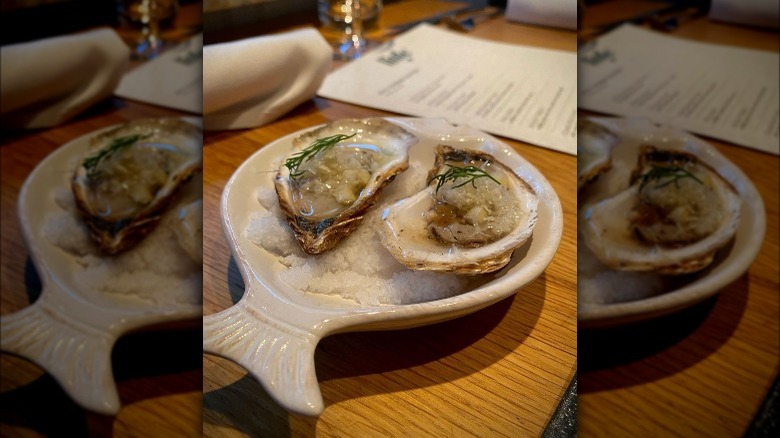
(469, 219)
(335, 173)
(130, 174)
(672, 219)
(594, 151)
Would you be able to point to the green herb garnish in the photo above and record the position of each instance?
(307, 154)
(454, 173)
(91, 163)
(672, 173)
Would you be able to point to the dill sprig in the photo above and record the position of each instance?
(307, 154)
(91, 163)
(672, 173)
(454, 173)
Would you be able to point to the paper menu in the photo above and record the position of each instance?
(524, 93)
(719, 91)
(173, 80)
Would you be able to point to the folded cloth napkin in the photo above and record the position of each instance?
(553, 13)
(251, 82)
(45, 82)
(762, 13)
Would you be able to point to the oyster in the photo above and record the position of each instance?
(672, 219)
(188, 230)
(469, 219)
(130, 174)
(594, 151)
(335, 173)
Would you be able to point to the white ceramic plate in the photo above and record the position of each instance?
(273, 330)
(730, 263)
(70, 330)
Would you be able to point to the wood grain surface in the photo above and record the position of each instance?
(498, 372)
(158, 370)
(706, 370)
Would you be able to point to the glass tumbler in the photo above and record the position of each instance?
(141, 22)
(334, 13)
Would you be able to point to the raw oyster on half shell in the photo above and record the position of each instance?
(335, 173)
(672, 219)
(594, 151)
(469, 219)
(130, 174)
(188, 230)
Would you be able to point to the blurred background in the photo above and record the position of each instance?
(26, 20)
(226, 20)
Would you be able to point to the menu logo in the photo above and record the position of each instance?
(598, 56)
(395, 57)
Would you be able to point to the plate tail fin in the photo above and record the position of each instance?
(76, 354)
(279, 355)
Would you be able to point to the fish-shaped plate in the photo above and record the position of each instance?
(274, 329)
(610, 298)
(71, 328)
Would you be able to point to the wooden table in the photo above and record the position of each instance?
(498, 372)
(706, 370)
(158, 372)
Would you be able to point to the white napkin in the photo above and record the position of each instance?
(763, 13)
(554, 13)
(251, 82)
(45, 82)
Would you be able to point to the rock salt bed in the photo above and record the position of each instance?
(157, 271)
(359, 268)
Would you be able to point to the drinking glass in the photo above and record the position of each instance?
(142, 21)
(347, 20)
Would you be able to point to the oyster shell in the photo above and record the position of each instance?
(461, 225)
(188, 230)
(328, 192)
(594, 151)
(130, 174)
(672, 219)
